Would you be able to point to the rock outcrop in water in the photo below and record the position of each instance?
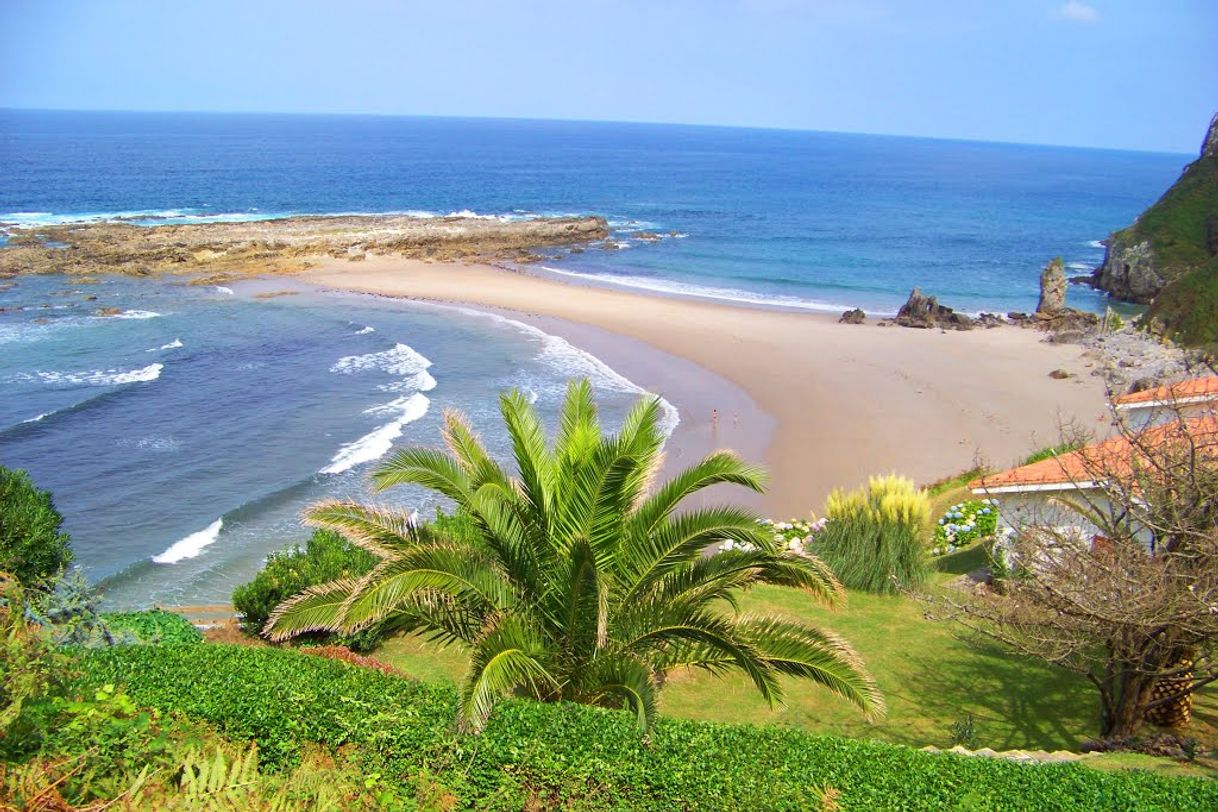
(228, 250)
(1168, 258)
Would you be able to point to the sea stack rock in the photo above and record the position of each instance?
(1052, 289)
(855, 316)
(918, 310)
(925, 312)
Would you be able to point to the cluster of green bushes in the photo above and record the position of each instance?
(326, 556)
(33, 546)
(540, 755)
(875, 537)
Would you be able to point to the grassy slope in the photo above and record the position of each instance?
(1176, 226)
(930, 677)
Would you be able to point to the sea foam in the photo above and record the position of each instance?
(400, 360)
(191, 545)
(377, 443)
(571, 362)
(134, 314)
(675, 288)
(96, 377)
(172, 345)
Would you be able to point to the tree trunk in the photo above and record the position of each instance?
(1131, 697)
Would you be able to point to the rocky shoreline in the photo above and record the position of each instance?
(224, 251)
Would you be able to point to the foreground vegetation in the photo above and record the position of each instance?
(576, 580)
(542, 755)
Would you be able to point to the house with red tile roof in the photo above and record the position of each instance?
(1185, 398)
(1037, 494)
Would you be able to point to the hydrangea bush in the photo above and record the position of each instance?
(964, 523)
(795, 535)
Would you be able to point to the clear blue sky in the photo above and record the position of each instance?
(1109, 73)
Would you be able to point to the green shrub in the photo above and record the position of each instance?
(32, 673)
(546, 755)
(151, 626)
(32, 545)
(874, 538)
(964, 523)
(326, 557)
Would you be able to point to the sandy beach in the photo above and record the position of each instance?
(823, 404)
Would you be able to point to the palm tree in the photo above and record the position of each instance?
(578, 582)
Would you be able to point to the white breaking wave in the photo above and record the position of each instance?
(224, 290)
(572, 362)
(1095, 244)
(172, 345)
(365, 330)
(401, 360)
(709, 292)
(191, 545)
(134, 314)
(96, 377)
(377, 443)
(37, 219)
(1080, 266)
(42, 416)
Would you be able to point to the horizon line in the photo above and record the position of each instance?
(323, 114)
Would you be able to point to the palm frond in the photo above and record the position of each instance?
(384, 532)
(714, 469)
(533, 458)
(504, 659)
(465, 446)
(647, 555)
(318, 608)
(629, 680)
(449, 570)
(810, 653)
(426, 467)
(677, 625)
(579, 430)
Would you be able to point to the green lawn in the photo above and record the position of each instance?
(930, 677)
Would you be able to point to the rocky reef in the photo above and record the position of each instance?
(1168, 258)
(219, 251)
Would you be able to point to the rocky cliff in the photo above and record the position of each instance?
(1168, 258)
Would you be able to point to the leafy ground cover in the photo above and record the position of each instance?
(537, 755)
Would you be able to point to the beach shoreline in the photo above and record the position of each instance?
(822, 404)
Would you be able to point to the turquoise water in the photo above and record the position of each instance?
(183, 437)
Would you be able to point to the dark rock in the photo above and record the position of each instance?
(1086, 281)
(1016, 316)
(1141, 385)
(647, 236)
(1059, 374)
(990, 320)
(925, 312)
(855, 316)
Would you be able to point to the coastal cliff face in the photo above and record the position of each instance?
(281, 245)
(1168, 258)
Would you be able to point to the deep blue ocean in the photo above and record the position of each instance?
(182, 438)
